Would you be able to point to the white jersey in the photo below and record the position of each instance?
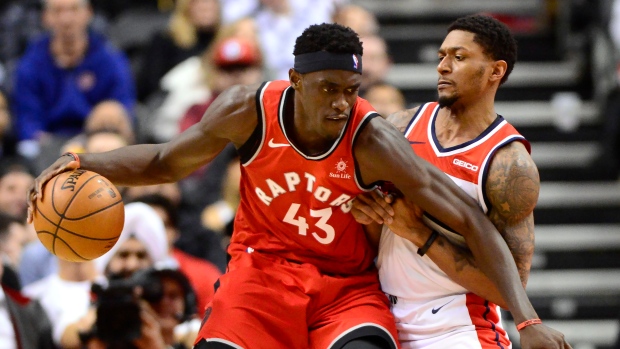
(430, 309)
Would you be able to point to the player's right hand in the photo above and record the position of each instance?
(63, 164)
(542, 337)
(373, 207)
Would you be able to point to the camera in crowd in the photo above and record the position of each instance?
(118, 310)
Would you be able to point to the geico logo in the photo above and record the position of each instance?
(467, 165)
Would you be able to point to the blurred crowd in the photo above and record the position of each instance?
(92, 76)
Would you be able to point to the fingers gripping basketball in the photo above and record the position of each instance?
(80, 215)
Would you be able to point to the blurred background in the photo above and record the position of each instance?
(94, 75)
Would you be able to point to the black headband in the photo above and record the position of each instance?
(323, 60)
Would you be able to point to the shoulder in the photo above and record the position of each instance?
(401, 119)
(513, 182)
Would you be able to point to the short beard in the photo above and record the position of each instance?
(447, 101)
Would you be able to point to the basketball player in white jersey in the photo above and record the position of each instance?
(440, 299)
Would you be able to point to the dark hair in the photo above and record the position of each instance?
(5, 222)
(163, 202)
(330, 37)
(494, 37)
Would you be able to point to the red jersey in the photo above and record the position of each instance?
(468, 163)
(297, 206)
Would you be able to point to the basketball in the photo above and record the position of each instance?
(80, 215)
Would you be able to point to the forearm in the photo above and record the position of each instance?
(131, 166)
(459, 264)
(495, 260)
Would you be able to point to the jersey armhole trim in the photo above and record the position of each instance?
(358, 173)
(251, 147)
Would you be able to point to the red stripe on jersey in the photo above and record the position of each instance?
(484, 317)
(295, 205)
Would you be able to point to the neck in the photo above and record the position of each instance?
(70, 271)
(463, 122)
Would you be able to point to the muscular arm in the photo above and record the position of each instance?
(512, 188)
(231, 117)
(430, 189)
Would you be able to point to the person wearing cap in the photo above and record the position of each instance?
(302, 273)
(233, 61)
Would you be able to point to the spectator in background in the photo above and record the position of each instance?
(20, 21)
(193, 26)
(64, 294)
(201, 273)
(194, 239)
(8, 151)
(107, 117)
(233, 61)
(141, 245)
(362, 21)
(377, 61)
(194, 80)
(11, 240)
(23, 323)
(280, 22)
(386, 98)
(14, 184)
(62, 76)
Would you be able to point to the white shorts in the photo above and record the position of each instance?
(463, 321)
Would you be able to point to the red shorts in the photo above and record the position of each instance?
(266, 302)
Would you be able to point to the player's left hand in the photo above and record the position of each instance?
(408, 222)
(542, 337)
(373, 207)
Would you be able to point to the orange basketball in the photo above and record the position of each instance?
(80, 216)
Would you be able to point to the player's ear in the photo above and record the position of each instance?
(294, 78)
(499, 69)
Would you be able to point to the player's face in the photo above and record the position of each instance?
(129, 258)
(327, 98)
(172, 303)
(464, 69)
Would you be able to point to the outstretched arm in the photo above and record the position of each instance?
(230, 118)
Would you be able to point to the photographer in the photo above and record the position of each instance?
(141, 246)
(142, 311)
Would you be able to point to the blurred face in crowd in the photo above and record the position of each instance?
(204, 13)
(377, 63)
(5, 118)
(104, 141)
(12, 245)
(131, 256)
(172, 304)
(385, 98)
(67, 19)
(13, 189)
(110, 115)
(237, 75)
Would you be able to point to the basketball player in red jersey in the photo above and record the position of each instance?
(301, 273)
(441, 299)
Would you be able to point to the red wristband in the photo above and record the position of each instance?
(75, 157)
(527, 323)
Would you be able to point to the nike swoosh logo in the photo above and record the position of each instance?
(277, 145)
(416, 142)
(435, 310)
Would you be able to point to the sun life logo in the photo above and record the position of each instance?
(341, 168)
